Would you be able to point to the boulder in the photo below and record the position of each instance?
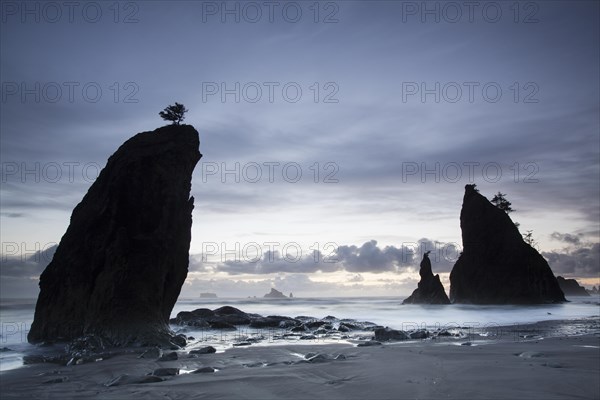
(274, 321)
(203, 370)
(430, 289)
(387, 334)
(204, 350)
(315, 324)
(231, 315)
(222, 325)
(189, 317)
(179, 340)
(152, 353)
(172, 356)
(149, 379)
(420, 334)
(165, 372)
(496, 265)
(119, 268)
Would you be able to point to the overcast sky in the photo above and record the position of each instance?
(337, 137)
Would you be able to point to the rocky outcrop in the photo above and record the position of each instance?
(275, 294)
(430, 289)
(570, 287)
(387, 334)
(231, 318)
(119, 268)
(226, 318)
(496, 265)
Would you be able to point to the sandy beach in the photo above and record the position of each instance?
(545, 365)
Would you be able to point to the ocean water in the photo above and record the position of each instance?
(16, 315)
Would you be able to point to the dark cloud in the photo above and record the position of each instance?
(582, 262)
(12, 215)
(197, 263)
(369, 257)
(16, 263)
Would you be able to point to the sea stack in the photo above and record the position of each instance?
(430, 289)
(496, 265)
(119, 268)
(571, 287)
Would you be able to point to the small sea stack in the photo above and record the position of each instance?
(430, 289)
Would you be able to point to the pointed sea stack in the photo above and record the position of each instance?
(119, 268)
(496, 265)
(430, 289)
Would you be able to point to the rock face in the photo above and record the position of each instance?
(430, 289)
(496, 265)
(119, 268)
(570, 287)
(275, 294)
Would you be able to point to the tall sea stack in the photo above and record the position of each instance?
(119, 268)
(496, 265)
(430, 289)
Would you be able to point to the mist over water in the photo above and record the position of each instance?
(16, 315)
(389, 311)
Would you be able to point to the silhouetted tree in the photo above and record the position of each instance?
(528, 238)
(500, 201)
(474, 187)
(174, 113)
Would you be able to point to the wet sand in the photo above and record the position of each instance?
(559, 367)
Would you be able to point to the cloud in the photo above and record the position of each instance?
(581, 262)
(23, 266)
(566, 237)
(271, 262)
(19, 274)
(301, 285)
(295, 283)
(369, 257)
(197, 263)
(12, 215)
(356, 278)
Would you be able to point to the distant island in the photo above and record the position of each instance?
(208, 295)
(275, 294)
(571, 287)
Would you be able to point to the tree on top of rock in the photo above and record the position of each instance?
(500, 201)
(528, 238)
(474, 187)
(174, 113)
